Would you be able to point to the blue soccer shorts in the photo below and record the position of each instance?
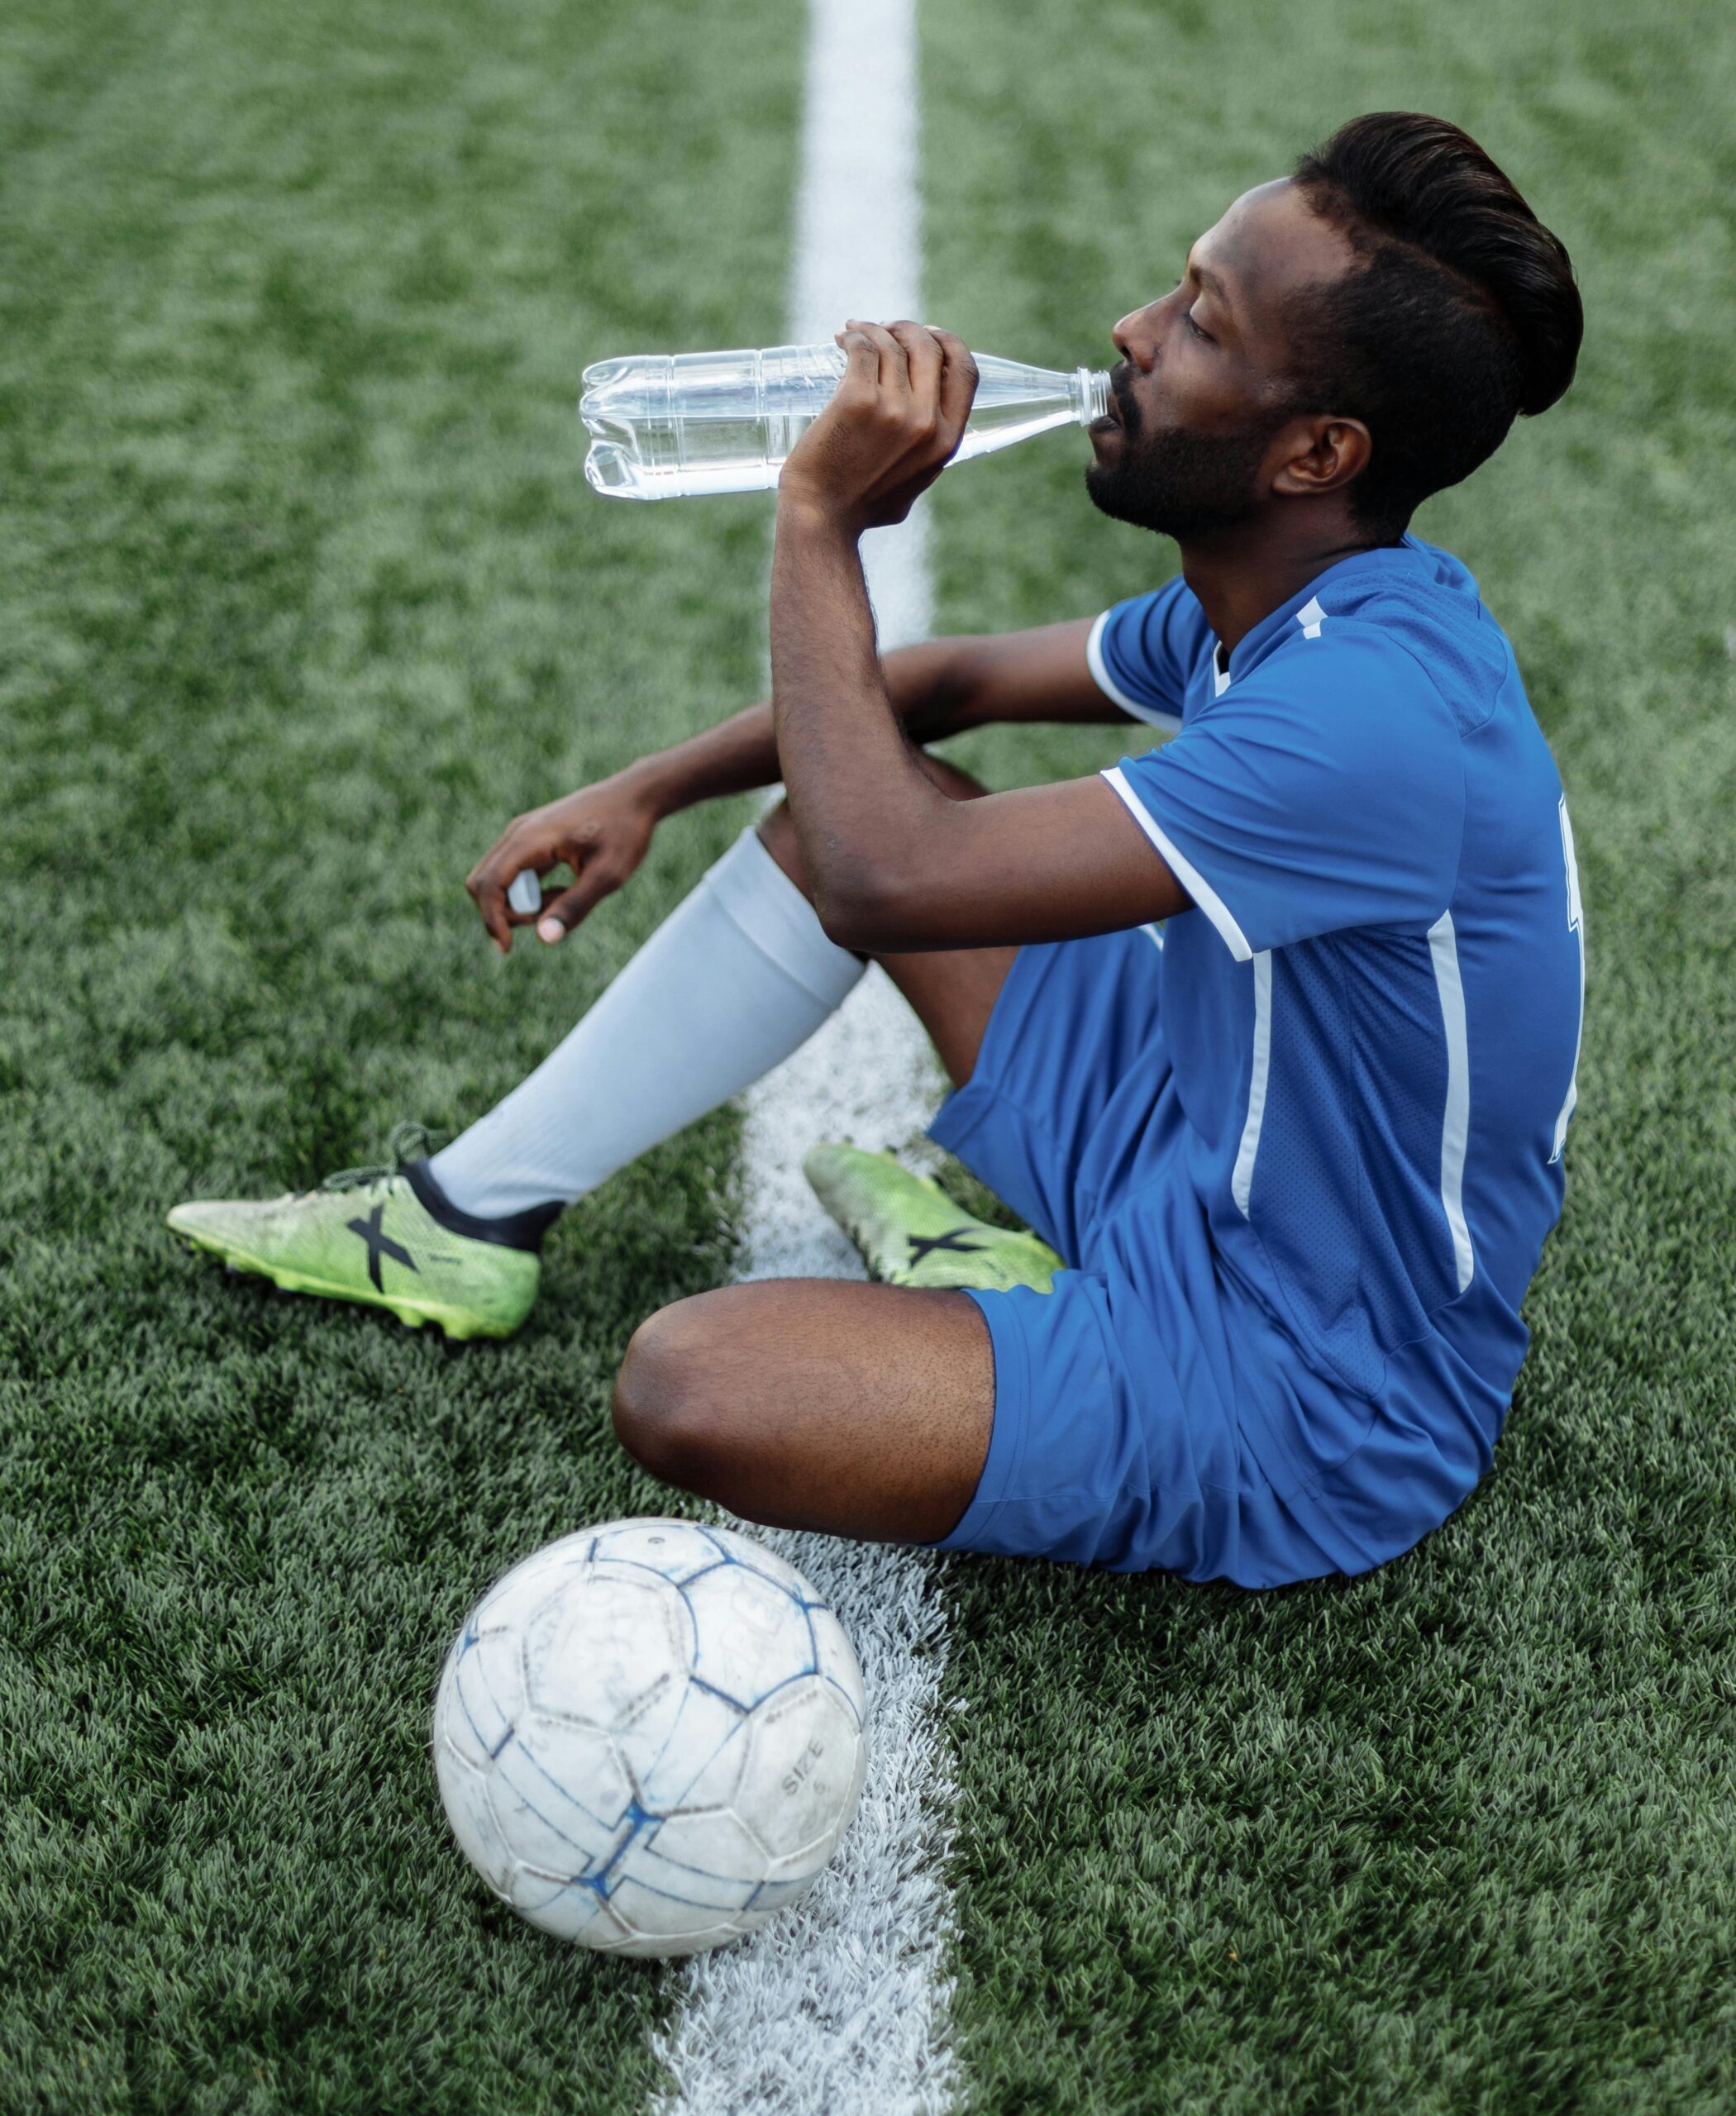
(1146, 1415)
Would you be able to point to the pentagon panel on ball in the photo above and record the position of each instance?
(651, 1736)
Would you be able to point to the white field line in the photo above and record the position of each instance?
(859, 235)
(841, 2008)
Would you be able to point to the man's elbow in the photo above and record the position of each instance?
(866, 909)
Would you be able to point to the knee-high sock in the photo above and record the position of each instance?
(738, 977)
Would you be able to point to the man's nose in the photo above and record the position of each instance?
(1136, 341)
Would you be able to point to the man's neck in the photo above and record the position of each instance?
(1242, 574)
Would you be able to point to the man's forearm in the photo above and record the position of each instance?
(857, 794)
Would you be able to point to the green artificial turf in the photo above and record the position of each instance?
(303, 598)
(300, 597)
(1461, 1835)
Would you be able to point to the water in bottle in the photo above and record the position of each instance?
(666, 426)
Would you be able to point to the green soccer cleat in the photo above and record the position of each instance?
(911, 1233)
(370, 1235)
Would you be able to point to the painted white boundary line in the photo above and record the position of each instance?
(858, 238)
(840, 2009)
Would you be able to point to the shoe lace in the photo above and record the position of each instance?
(409, 1141)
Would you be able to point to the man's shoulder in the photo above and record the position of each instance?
(1416, 620)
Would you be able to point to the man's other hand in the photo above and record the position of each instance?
(897, 417)
(601, 833)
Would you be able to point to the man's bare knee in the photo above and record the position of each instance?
(778, 830)
(778, 835)
(666, 1411)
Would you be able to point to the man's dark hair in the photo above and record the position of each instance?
(1461, 313)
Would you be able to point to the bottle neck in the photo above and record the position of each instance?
(1089, 389)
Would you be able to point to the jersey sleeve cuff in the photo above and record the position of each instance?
(1205, 897)
(1171, 723)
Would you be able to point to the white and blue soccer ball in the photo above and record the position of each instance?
(651, 1736)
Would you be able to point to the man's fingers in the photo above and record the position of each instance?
(564, 909)
(489, 897)
(957, 386)
(861, 362)
(923, 360)
(894, 361)
(893, 368)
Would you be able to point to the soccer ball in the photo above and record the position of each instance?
(651, 1736)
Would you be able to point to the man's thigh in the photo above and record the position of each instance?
(952, 992)
(862, 1410)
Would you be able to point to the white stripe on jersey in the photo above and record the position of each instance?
(1242, 1181)
(1443, 947)
(1575, 924)
(1183, 869)
(1170, 721)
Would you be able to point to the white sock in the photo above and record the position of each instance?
(737, 978)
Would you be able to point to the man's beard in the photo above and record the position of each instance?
(1180, 484)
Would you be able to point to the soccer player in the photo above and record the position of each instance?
(1270, 1033)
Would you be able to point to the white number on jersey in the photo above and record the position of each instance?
(1576, 925)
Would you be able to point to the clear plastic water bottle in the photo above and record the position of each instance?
(667, 426)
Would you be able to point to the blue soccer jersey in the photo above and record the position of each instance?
(1373, 1015)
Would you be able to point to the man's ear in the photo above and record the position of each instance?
(1321, 455)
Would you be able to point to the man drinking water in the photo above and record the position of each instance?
(1270, 1031)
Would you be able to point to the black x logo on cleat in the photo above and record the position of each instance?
(952, 1242)
(379, 1245)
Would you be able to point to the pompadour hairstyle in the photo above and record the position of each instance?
(1462, 314)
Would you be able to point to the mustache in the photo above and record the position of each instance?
(1121, 389)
